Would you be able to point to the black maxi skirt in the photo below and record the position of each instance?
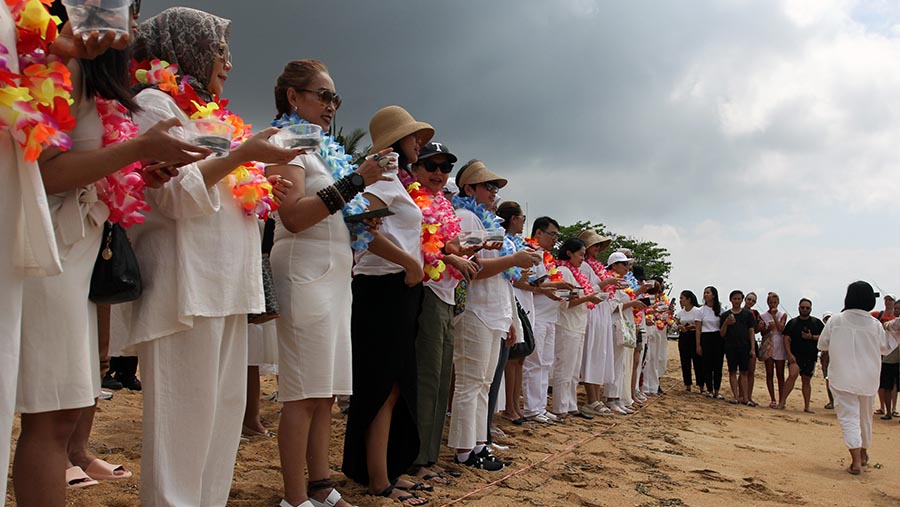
(383, 329)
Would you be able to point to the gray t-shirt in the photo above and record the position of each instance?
(892, 358)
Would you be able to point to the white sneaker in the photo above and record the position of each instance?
(105, 395)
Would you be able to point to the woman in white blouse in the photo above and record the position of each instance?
(200, 255)
(687, 345)
(709, 343)
(855, 343)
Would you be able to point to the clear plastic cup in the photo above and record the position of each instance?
(472, 238)
(304, 136)
(98, 15)
(494, 235)
(210, 133)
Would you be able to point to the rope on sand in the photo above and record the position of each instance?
(552, 457)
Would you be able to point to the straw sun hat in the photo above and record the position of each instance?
(475, 172)
(591, 238)
(393, 123)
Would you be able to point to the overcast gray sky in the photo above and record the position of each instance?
(755, 139)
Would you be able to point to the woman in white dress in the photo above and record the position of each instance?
(311, 263)
(855, 343)
(59, 370)
(598, 364)
(772, 349)
(200, 253)
(618, 392)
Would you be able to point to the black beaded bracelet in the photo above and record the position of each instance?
(347, 190)
(331, 198)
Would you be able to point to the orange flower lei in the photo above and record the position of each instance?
(439, 225)
(249, 185)
(34, 102)
(549, 262)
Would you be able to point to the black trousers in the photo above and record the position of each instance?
(123, 367)
(687, 350)
(495, 388)
(711, 344)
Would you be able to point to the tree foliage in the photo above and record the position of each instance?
(351, 143)
(649, 254)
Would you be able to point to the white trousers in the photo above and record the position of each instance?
(566, 369)
(195, 385)
(614, 389)
(854, 414)
(655, 340)
(537, 367)
(628, 384)
(10, 319)
(476, 350)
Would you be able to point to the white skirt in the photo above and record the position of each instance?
(598, 366)
(262, 344)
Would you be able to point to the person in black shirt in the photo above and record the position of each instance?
(801, 337)
(737, 330)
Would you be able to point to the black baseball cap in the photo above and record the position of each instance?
(431, 149)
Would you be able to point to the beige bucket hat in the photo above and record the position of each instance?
(590, 238)
(393, 123)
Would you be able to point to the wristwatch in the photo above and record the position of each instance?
(358, 182)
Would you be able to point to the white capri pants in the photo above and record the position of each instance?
(476, 350)
(537, 368)
(195, 389)
(854, 414)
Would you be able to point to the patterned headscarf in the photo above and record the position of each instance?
(185, 37)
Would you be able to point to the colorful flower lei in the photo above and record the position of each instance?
(660, 319)
(582, 280)
(334, 157)
(34, 102)
(553, 274)
(490, 221)
(638, 314)
(598, 268)
(439, 225)
(123, 190)
(249, 185)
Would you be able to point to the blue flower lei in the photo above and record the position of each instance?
(339, 163)
(490, 221)
(629, 277)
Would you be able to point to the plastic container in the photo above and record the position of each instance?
(304, 136)
(99, 15)
(210, 133)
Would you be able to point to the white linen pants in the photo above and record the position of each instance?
(476, 350)
(10, 320)
(566, 369)
(655, 340)
(614, 388)
(537, 367)
(629, 382)
(854, 414)
(195, 385)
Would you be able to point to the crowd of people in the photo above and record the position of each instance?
(402, 292)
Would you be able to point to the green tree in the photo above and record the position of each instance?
(351, 143)
(649, 254)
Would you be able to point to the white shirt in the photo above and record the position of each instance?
(689, 317)
(855, 343)
(772, 330)
(546, 310)
(445, 288)
(490, 299)
(200, 255)
(710, 322)
(574, 318)
(403, 228)
(35, 243)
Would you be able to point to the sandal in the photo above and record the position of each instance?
(853, 471)
(774, 404)
(415, 486)
(879, 412)
(333, 498)
(404, 499)
(437, 478)
(733, 401)
(100, 470)
(752, 403)
(76, 478)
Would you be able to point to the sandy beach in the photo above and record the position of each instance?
(680, 449)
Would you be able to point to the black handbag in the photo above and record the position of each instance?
(524, 349)
(117, 275)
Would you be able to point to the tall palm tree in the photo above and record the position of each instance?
(351, 143)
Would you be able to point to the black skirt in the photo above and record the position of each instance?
(383, 329)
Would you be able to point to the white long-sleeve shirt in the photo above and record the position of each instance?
(855, 343)
(200, 254)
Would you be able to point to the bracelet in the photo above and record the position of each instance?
(332, 199)
(347, 190)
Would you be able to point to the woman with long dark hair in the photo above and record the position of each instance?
(855, 343)
(709, 342)
(687, 339)
(59, 377)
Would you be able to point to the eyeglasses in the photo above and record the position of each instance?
(553, 234)
(224, 52)
(432, 166)
(326, 97)
(806, 308)
(490, 186)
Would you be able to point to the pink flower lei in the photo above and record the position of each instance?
(582, 280)
(439, 225)
(123, 190)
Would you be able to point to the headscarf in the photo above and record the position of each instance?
(185, 37)
(860, 296)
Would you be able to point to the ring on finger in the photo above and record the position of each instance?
(384, 162)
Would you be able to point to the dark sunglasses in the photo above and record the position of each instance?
(490, 186)
(326, 97)
(432, 166)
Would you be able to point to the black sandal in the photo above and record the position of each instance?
(437, 477)
(402, 498)
(416, 486)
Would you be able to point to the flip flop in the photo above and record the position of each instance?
(100, 470)
(774, 404)
(854, 472)
(437, 478)
(76, 478)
